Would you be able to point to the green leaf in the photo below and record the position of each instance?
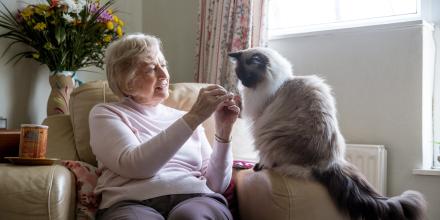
(60, 34)
(9, 47)
(20, 56)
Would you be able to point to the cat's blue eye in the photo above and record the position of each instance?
(256, 60)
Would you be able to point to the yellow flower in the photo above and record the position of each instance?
(121, 23)
(40, 26)
(36, 56)
(27, 12)
(109, 11)
(41, 9)
(110, 25)
(115, 19)
(107, 38)
(119, 31)
(48, 46)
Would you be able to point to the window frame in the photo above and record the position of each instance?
(344, 25)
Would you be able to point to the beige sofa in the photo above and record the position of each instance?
(48, 192)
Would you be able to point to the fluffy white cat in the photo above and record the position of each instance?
(296, 133)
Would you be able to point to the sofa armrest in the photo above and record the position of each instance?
(266, 195)
(36, 192)
(60, 139)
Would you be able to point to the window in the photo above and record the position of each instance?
(436, 97)
(297, 16)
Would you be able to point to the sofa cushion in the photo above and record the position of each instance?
(82, 100)
(86, 178)
(60, 139)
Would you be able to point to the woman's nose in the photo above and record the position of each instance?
(161, 72)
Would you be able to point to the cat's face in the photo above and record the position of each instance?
(251, 66)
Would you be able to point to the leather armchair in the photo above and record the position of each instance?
(48, 192)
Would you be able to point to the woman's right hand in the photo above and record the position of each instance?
(208, 100)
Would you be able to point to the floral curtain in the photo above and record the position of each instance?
(225, 26)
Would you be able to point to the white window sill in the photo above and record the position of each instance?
(348, 28)
(427, 172)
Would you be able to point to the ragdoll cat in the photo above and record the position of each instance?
(296, 133)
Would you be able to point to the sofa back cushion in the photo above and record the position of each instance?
(83, 98)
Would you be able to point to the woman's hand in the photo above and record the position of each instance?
(209, 100)
(225, 117)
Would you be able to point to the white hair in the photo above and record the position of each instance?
(122, 57)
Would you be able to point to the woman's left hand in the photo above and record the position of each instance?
(225, 116)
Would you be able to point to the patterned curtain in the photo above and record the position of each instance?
(226, 26)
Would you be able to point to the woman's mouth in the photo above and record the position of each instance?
(162, 86)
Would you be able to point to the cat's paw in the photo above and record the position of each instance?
(258, 167)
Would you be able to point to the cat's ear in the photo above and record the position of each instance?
(235, 55)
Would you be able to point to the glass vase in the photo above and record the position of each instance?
(62, 84)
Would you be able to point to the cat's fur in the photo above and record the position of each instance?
(296, 133)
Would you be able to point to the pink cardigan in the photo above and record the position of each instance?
(146, 152)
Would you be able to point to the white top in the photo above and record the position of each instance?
(146, 152)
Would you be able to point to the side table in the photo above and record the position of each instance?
(9, 144)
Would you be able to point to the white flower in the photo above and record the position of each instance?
(73, 6)
(68, 18)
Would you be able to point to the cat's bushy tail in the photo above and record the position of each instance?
(355, 196)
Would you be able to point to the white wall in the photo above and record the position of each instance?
(24, 87)
(376, 76)
(175, 23)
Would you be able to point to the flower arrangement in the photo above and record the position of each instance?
(63, 34)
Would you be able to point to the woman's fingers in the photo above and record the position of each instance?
(217, 92)
(229, 102)
(234, 108)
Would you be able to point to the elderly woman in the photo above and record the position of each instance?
(156, 161)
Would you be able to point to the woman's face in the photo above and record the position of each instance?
(150, 85)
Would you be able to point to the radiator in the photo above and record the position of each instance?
(371, 160)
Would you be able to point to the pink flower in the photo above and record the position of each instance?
(54, 3)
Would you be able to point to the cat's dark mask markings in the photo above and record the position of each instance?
(250, 69)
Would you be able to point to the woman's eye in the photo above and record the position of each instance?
(149, 70)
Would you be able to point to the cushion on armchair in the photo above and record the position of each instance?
(86, 178)
(82, 100)
(60, 139)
